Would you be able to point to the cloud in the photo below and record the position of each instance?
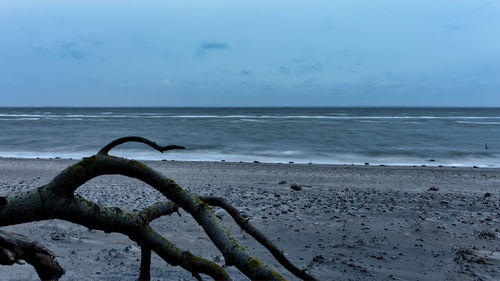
(301, 67)
(214, 46)
(211, 46)
(245, 72)
(70, 50)
(284, 70)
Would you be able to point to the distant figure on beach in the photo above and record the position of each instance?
(486, 146)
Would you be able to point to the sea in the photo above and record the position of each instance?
(462, 137)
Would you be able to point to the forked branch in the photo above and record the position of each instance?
(257, 235)
(105, 150)
(57, 200)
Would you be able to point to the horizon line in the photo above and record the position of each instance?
(346, 106)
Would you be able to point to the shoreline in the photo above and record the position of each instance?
(366, 164)
(346, 223)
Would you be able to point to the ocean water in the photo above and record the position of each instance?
(390, 136)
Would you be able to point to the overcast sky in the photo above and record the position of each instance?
(250, 53)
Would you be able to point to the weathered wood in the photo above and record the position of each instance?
(16, 247)
(245, 225)
(145, 269)
(57, 200)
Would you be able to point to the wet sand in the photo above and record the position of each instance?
(346, 222)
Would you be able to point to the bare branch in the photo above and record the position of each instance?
(148, 214)
(113, 219)
(145, 269)
(157, 210)
(57, 200)
(234, 254)
(105, 150)
(257, 235)
(15, 247)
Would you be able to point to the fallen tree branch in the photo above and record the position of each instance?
(157, 210)
(145, 269)
(16, 247)
(257, 235)
(148, 214)
(112, 219)
(57, 200)
(105, 150)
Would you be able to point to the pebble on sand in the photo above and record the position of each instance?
(295, 187)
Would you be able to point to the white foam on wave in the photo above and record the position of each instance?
(249, 117)
(270, 157)
(21, 115)
(326, 117)
(21, 118)
(252, 120)
(478, 123)
(45, 155)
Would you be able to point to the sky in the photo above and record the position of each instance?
(250, 53)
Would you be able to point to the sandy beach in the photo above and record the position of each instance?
(346, 223)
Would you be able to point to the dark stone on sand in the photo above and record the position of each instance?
(256, 161)
(291, 162)
(475, 167)
(282, 182)
(57, 236)
(431, 160)
(433, 188)
(319, 258)
(487, 235)
(295, 187)
(487, 194)
(366, 164)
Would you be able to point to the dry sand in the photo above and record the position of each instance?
(346, 223)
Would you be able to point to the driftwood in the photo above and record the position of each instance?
(56, 200)
(15, 247)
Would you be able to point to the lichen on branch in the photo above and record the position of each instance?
(57, 200)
